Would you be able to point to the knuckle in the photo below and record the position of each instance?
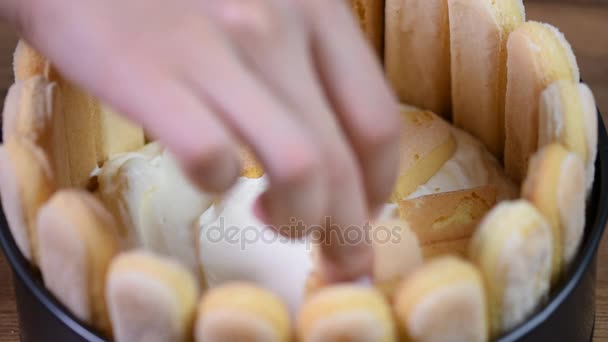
(381, 135)
(300, 163)
(371, 133)
(205, 156)
(253, 20)
(318, 8)
(341, 168)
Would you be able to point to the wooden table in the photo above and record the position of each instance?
(585, 26)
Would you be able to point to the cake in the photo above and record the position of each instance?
(487, 213)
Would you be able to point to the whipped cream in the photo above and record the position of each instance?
(236, 246)
(156, 205)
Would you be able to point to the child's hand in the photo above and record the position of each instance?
(293, 79)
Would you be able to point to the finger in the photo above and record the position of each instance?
(358, 92)
(289, 155)
(137, 80)
(281, 59)
(170, 113)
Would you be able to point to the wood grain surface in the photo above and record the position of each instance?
(585, 23)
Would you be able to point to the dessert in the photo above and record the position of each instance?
(478, 38)
(171, 242)
(556, 186)
(77, 241)
(513, 248)
(538, 55)
(241, 312)
(346, 313)
(150, 298)
(417, 53)
(443, 301)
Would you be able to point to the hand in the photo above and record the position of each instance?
(293, 79)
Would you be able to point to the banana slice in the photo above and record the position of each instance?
(538, 55)
(417, 53)
(77, 241)
(150, 298)
(32, 112)
(156, 205)
(26, 183)
(556, 186)
(478, 33)
(371, 19)
(426, 144)
(443, 301)
(568, 116)
(346, 313)
(513, 248)
(242, 312)
(446, 222)
(27, 62)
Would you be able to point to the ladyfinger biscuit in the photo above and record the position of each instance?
(242, 312)
(32, 112)
(26, 183)
(426, 144)
(444, 300)
(397, 253)
(538, 55)
(417, 52)
(346, 313)
(445, 222)
(513, 247)
(150, 298)
(93, 132)
(27, 62)
(568, 116)
(370, 14)
(478, 34)
(77, 240)
(556, 186)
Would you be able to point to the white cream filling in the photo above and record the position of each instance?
(236, 246)
(155, 203)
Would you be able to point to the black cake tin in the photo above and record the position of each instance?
(569, 314)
